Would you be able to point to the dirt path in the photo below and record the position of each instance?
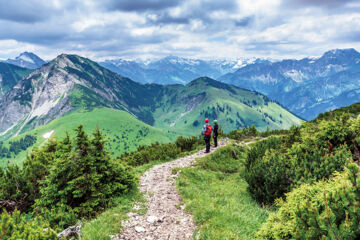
(165, 218)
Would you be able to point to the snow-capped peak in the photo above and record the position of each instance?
(25, 57)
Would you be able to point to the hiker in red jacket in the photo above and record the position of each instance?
(207, 134)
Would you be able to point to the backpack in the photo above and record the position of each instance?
(209, 128)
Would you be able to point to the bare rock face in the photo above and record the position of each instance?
(34, 97)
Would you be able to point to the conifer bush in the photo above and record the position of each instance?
(21, 186)
(188, 143)
(85, 178)
(161, 152)
(244, 132)
(14, 226)
(307, 154)
(324, 210)
(267, 171)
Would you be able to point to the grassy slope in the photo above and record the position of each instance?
(173, 116)
(215, 193)
(120, 128)
(11, 74)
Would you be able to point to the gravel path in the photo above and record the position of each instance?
(165, 217)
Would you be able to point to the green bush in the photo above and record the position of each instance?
(187, 144)
(310, 165)
(21, 186)
(161, 152)
(15, 226)
(324, 210)
(85, 178)
(59, 217)
(154, 152)
(242, 133)
(268, 172)
(306, 154)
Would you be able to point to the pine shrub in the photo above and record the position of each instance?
(267, 171)
(324, 210)
(305, 155)
(14, 226)
(85, 178)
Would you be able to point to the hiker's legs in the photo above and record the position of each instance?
(215, 141)
(207, 143)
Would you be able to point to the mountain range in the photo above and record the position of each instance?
(174, 70)
(70, 82)
(308, 86)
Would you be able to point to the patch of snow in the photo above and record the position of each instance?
(26, 58)
(295, 75)
(48, 134)
(264, 78)
(184, 61)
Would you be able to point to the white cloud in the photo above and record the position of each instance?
(191, 28)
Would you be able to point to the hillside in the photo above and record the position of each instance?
(70, 82)
(123, 132)
(308, 86)
(10, 75)
(183, 108)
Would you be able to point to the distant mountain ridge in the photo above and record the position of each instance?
(70, 82)
(308, 86)
(174, 70)
(27, 60)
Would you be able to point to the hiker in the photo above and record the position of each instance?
(215, 135)
(207, 134)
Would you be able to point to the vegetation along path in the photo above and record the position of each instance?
(165, 217)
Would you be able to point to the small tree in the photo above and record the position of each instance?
(85, 178)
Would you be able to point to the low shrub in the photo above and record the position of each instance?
(161, 152)
(306, 154)
(154, 152)
(14, 226)
(324, 210)
(187, 144)
(242, 133)
(268, 172)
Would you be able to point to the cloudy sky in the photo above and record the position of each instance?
(130, 29)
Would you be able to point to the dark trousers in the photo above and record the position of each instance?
(207, 142)
(215, 141)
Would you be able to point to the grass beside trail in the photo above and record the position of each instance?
(108, 223)
(214, 191)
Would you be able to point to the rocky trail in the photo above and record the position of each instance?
(165, 218)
